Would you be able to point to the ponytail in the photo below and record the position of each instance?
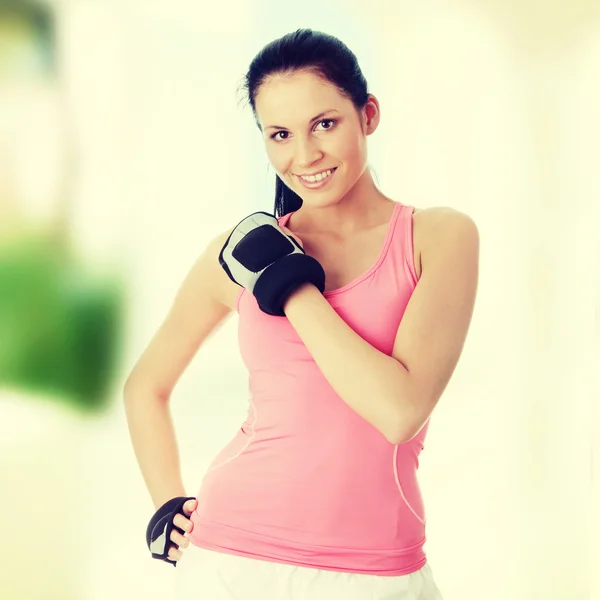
(286, 200)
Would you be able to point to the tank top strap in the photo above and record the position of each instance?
(284, 219)
(402, 243)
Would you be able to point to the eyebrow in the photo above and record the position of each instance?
(325, 112)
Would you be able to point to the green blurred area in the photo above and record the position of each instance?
(61, 321)
(27, 38)
(61, 324)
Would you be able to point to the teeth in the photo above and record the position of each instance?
(318, 177)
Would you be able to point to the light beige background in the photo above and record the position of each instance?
(490, 107)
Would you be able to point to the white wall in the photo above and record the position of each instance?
(476, 116)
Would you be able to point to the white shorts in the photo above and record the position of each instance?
(206, 575)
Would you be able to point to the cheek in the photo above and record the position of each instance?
(277, 157)
(349, 146)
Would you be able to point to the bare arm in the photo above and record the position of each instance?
(198, 309)
(397, 393)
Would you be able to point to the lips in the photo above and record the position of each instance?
(317, 183)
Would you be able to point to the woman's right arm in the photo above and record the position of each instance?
(202, 303)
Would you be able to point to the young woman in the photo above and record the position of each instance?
(349, 343)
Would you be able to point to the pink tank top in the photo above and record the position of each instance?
(307, 481)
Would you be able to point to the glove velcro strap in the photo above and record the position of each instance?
(281, 278)
(158, 532)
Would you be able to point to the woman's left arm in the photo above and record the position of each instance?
(398, 393)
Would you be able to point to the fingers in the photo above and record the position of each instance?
(178, 539)
(189, 507)
(184, 523)
(175, 554)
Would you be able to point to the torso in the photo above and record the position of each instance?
(345, 260)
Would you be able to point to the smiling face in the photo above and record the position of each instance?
(314, 136)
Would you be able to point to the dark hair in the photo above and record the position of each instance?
(324, 55)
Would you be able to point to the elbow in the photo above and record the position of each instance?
(398, 437)
(406, 424)
(403, 413)
(409, 424)
(402, 436)
(135, 389)
(129, 390)
(400, 432)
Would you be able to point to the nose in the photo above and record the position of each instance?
(307, 152)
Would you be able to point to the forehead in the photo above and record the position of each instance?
(296, 97)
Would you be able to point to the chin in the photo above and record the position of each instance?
(321, 202)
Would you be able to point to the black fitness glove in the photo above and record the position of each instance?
(261, 257)
(158, 532)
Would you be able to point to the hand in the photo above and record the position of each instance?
(169, 524)
(183, 522)
(269, 261)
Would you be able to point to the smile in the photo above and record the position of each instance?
(317, 180)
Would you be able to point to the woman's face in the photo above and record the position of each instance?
(310, 129)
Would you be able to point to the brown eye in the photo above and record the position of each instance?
(273, 137)
(331, 121)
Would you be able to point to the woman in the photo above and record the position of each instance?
(316, 496)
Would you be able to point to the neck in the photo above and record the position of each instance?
(363, 207)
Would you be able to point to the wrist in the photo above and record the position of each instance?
(299, 295)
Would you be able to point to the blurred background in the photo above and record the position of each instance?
(125, 146)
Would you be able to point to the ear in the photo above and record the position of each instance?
(371, 115)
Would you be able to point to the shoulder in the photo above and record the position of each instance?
(224, 289)
(442, 232)
(217, 242)
(439, 227)
(443, 218)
